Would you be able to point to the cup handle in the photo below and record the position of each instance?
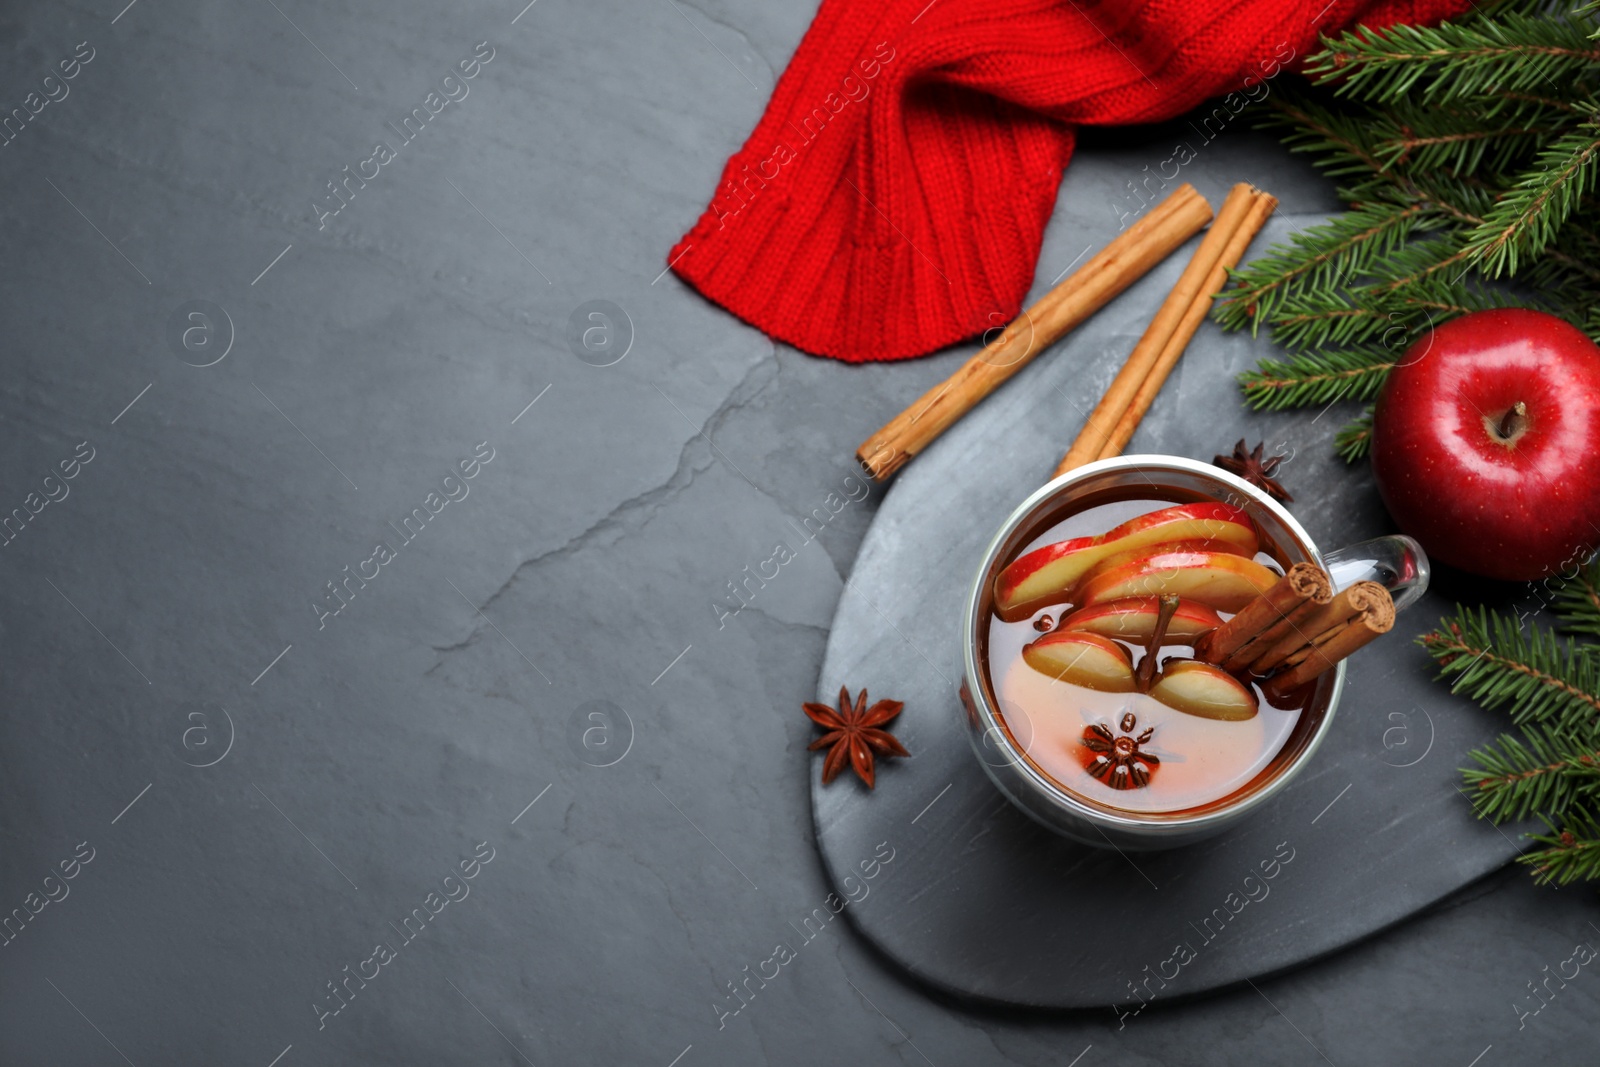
(1395, 562)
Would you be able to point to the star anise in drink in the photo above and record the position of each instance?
(1119, 759)
(855, 734)
(1249, 465)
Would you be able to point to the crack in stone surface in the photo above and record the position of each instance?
(645, 504)
(736, 31)
(820, 631)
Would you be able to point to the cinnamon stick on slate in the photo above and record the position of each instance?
(1111, 270)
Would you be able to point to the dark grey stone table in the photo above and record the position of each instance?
(501, 790)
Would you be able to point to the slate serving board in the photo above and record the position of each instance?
(984, 903)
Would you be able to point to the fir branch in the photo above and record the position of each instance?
(1419, 261)
(1368, 316)
(1325, 323)
(1465, 198)
(1573, 108)
(1545, 770)
(1528, 217)
(1535, 676)
(1457, 60)
(1318, 258)
(1570, 285)
(1344, 142)
(1567, 256)
(1571, 852)
(1577, 605)
(1304, 380)
(1464, 140)
(1355, 440)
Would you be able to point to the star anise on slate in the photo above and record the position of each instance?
(855, 734)
(1259, 472)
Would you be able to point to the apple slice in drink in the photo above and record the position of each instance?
(1204, 690)
(1134, 555)
(1082, 658)
(1133, 619)
(1048, 575)
(1221, 580)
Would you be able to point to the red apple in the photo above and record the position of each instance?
(1486, 444)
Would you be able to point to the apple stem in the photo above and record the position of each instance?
(1147, 666)
(1511, 420)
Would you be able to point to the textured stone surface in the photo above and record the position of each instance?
(375, 753)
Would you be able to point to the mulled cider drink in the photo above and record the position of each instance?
(1090, 651)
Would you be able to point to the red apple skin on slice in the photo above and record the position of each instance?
(1082, 658)
(1048, 575)
(1221, 580)
(1133, 619)
(1134, 555)
(1204, 690)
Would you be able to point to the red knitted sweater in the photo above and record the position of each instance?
(893, 198)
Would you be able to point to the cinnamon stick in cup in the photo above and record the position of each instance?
(1304, 584)
(1112, 422)
(1351, 619)
(1375, 617)
(1111, 270)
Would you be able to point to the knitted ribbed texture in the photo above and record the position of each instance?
(893, 198)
